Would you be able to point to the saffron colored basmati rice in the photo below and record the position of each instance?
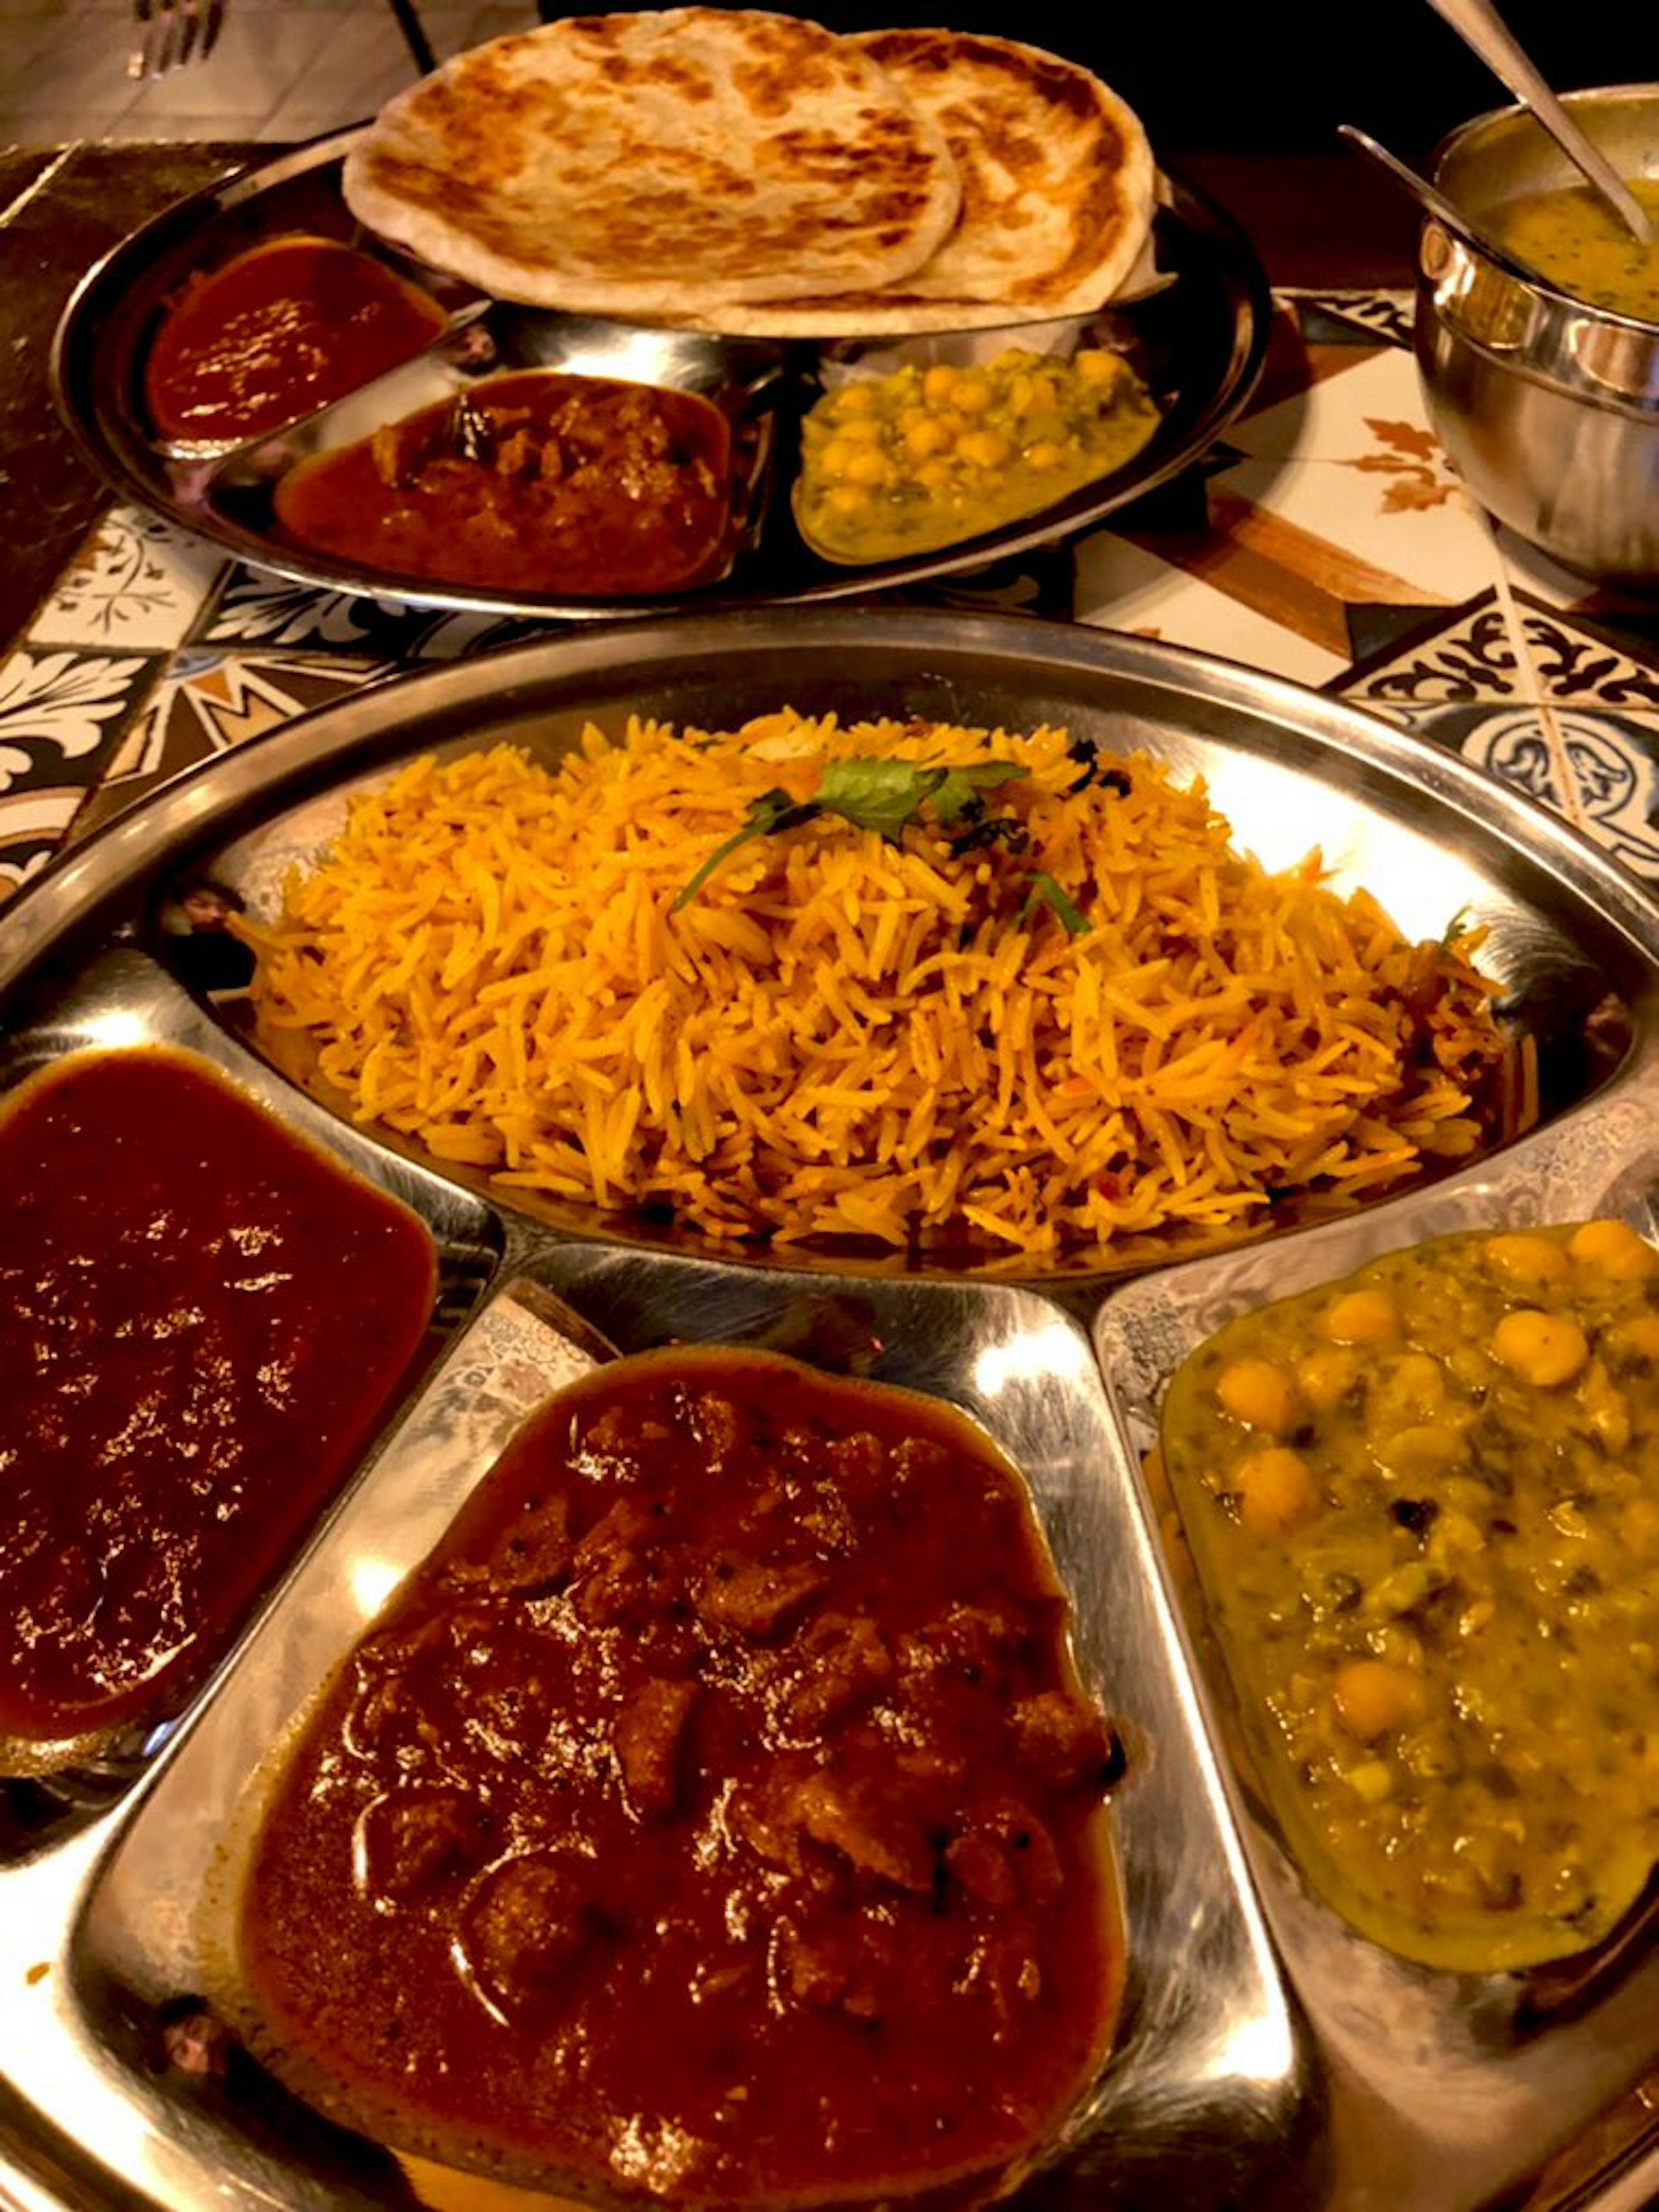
(841, 1034)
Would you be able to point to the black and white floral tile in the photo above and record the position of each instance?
(1326, 540)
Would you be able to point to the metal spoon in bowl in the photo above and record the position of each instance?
(1478, 23)
(1433, 201)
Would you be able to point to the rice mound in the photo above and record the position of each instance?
(842, 1034)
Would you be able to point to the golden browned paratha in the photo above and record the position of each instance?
(1058, 189)
(1056, 173)
(648, 166)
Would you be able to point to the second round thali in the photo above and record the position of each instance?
(1193, 334)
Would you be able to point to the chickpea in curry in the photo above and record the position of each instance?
(1423, 1508)
(929, 455)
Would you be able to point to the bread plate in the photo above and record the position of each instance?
(1263, 2057)
(1197, 337)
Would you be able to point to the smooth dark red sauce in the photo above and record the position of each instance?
(715, 1817)
(202, 1318)
(576, 486)
(278, 332)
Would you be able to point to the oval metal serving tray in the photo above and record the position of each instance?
(1265, 2057)
(1198, 338)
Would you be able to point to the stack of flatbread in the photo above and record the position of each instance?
(752, 172)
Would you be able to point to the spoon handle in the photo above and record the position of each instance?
(1478, 23)
(1433, 201)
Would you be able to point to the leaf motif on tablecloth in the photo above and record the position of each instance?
(1577, 661)
(1412, 457)
(122, 555)
(20, 869)
(136, 582)
(1465, 658)
(1405, 438)
(459, 635)
(1599, 770)
(257, 609)
(60, 700)
(1345, 318)
(1516, 751)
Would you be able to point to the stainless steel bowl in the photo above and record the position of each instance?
(1548, 408)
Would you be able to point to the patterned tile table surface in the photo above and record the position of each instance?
(1326, 539)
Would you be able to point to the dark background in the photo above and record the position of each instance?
(1278, 77)
(1284, 74)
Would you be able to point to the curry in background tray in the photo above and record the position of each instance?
(580, 486)
(570, 485)
(932, 454)
(277, 331)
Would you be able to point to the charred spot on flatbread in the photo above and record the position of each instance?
(1058, 178)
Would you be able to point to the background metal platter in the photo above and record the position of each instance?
(1266, 2056)
(1198, 338)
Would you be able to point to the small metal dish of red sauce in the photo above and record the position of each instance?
(203, 1320)
(277, 332)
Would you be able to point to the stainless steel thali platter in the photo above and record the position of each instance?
(1198, 336)
(1265, 2055)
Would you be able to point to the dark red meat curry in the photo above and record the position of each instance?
(202, 1318)
(278, 332)
(574, 486)
(715, 1817)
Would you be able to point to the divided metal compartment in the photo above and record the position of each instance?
(1265, 2057)
(1484, 2078)
(1198, 338)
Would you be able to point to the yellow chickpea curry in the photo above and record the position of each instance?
(1570, 236)
(897, 464)
(1423, 1505)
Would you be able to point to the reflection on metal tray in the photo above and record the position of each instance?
(1198, 338)
(1265, 2057)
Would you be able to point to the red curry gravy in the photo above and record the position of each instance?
(533, 481)
(715, 1817)
(278, 332)
(202, 1318)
